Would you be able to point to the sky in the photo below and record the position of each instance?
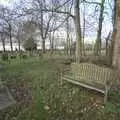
(91, 30)
(6, 2)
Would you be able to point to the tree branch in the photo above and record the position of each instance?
(57, 11)
(96, 3)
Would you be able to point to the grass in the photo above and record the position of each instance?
(35, 84)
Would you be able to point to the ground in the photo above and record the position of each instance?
(36, 86)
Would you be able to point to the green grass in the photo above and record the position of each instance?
(49, 100)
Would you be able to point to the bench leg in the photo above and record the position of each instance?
(106, 93)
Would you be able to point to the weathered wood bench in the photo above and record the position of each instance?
(91, 77)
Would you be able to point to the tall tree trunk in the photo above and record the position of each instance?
(107, 44)
(43, 45)
(3, 42)
(78, 31)
(52, 42)
(41, 27)
(51, 37)
(99, 32)
(114, 32)
(10, 35)
(116, 39)
(68, 38)
(84, 30)
(19, 40)
(19, 43)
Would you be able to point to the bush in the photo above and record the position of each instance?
(4, 56)
(23, 56)
(30, 44)
(13, 57)
(68, 61)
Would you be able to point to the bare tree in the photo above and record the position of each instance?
(52, 36)
(3, 37)
(114, 16)
(78, 30)
(84, 25)
(116, 37)
(7, 17)
(108, 44)
(19, 35)
(99, 32)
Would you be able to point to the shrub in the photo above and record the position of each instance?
(4, 56)
(30, 44)
(68, 61)
(13, 57)
(23, 56)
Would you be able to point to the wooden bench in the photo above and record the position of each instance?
(91, 77)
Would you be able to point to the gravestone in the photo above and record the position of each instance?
(6, 98)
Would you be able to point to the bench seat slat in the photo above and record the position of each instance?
(84, 81)
(84, 85)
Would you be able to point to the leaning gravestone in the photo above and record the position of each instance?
(6, 98)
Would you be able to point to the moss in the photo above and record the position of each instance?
(118, 8)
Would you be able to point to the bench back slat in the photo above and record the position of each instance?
(92, 73)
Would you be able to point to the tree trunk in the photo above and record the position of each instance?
(41, 27)
(71, 46)
(78, 31)
(84, 30)
(68, 39)
(19, 44)
(43, 45)
(11, 44)
(99, 32)
(107, 44)
(107, 50)
(114, 32)
(3, 42)
(51, 42)
(19, 39)
(116, 38)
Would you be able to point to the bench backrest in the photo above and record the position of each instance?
(93, 73)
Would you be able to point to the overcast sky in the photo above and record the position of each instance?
(6, 2)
